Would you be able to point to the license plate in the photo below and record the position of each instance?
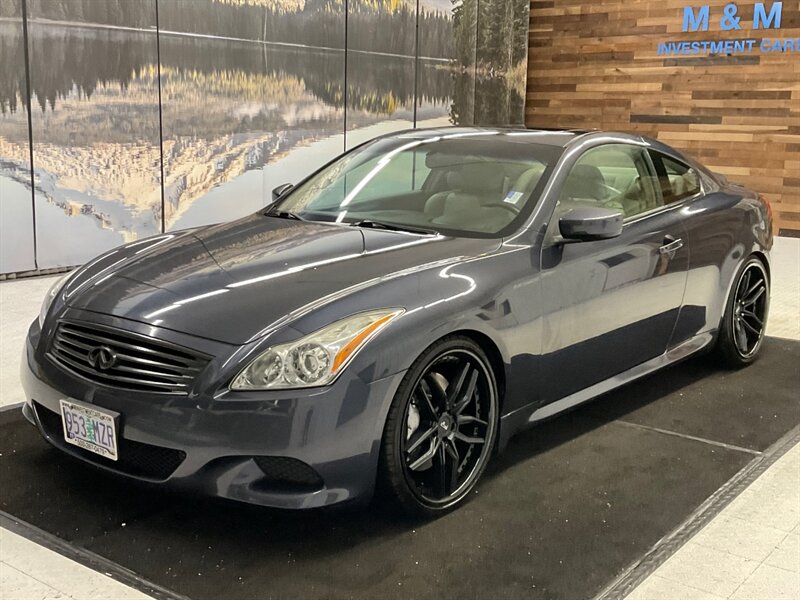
(89, 428)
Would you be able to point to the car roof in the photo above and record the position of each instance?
(549, 137)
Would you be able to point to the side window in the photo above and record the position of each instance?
(677, 180)
(616, 176)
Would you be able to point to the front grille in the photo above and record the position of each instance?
(140, 363)
(134, 458)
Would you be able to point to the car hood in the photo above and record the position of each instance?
(235, 282)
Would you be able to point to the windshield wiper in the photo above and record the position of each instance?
(392, 227)
(284, 214)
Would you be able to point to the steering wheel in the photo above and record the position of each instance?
(612, 189)
(509, 207)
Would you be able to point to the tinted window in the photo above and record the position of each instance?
(455, 184)
(616, 176)
(677, 179)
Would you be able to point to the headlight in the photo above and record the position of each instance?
(51, 295)
(315, 359)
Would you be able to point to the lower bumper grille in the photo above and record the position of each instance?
(135, 458)
(287, 474)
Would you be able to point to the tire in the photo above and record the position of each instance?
(741, 332)
(438, 438)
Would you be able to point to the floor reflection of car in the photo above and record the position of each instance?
(390, 320)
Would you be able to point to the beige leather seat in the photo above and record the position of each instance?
(473, 186)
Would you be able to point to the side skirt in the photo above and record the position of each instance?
(671, 356)
(521, 419)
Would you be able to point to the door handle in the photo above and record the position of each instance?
(671, 245)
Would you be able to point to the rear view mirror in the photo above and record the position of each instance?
(590, 223)
(280, 191)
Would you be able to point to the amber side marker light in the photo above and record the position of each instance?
(356, 342)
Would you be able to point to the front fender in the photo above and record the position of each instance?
(496, 296)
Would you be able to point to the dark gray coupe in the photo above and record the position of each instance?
(398, 315)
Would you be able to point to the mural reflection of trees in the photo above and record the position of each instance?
(231, 106)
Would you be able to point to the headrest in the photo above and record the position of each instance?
(440, 160)
(528, 180)
(453, 179)
(481, 177)
(585, 181)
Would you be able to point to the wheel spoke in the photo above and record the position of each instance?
(427, 402)
(454, 391)
(441, 480)
(426, 456)
(751, 315)
(744, 285)
(452, 451)
(750, 298)
(468, 395)
(435, 389)
(464, 419)
(741, 336)
(420, 439)
(468, 438)
(752, 329)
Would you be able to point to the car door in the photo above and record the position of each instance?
(611, 304)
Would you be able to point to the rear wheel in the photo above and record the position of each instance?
(441, 428)
(742, 330)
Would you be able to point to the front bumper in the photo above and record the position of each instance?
(260, 448)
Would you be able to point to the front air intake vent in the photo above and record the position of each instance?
(124, 360)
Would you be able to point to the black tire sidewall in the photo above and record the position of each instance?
(726, 348)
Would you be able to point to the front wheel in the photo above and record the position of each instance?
(441, 428)
(741, 332)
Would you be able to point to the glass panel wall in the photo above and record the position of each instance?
(226, 98)
(381, 68)
(16, 207)
(446, 64)
(252, 95)
(502, 61)
(96, 153)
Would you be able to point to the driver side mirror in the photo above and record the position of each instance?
(589, 223)
(281, 190)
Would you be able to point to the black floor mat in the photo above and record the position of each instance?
(569, 505)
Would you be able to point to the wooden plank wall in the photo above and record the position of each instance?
(595, 64)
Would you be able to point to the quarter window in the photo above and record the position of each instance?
(677, 180)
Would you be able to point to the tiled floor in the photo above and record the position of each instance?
(30, 572)
(749, 551)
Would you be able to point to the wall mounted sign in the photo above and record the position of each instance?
(701, 18)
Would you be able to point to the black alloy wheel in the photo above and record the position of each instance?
(742, 331)
(441, 427)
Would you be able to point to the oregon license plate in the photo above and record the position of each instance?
(89, 428)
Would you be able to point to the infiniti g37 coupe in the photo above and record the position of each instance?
(394, 318)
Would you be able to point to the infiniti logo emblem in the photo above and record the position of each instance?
(102, 358)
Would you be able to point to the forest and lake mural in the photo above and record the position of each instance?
(154, 115)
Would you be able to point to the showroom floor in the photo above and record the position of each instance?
(751, 549)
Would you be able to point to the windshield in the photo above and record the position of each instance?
(456, 185)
